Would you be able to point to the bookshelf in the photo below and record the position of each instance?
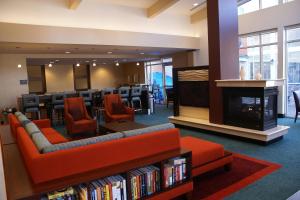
(19, 185)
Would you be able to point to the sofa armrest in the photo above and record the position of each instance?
(42, 123)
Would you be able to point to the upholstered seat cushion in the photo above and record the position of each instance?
(202, 151)
(53, 136)
(23, 120)
(32, 109)
(58, 107)
(118, 109)
(31, 128)
(40, 141)
(76, 111)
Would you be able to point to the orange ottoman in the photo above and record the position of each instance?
(206, 155)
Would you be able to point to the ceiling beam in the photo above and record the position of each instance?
(73, 4)
(159, 6)
(199, 15)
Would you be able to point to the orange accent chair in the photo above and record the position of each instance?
(115, 110)
(76, 116)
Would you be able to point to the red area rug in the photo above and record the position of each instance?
(219, 183)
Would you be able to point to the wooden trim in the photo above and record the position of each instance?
(199, 15)
(73, 4)
(159, 6)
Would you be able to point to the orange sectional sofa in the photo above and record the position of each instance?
(45, 166)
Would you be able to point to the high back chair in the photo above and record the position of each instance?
(58, 106)
(77, 118)
(31, 104)
(136, 93)
(124, 93)
(115, 110)
(297, 103)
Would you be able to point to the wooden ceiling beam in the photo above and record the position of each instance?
(199, 15)
(73, 4)
(159, 6)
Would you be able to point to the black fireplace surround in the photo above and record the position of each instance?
(253, 108)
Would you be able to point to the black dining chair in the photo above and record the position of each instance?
(297, 103)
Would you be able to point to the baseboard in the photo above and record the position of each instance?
(280, 115)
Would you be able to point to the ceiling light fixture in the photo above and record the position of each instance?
(94, 64)
(142, 53)
(50, 65)
(137, 64)
(56, 60)
(78, 65)
(19, 65)
(104, 63)
(117, 64)
(109, 52)
(195, 4)
(67, 52)
(87, 61)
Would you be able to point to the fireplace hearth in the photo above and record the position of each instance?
(253, 108)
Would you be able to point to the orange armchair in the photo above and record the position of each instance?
(76, 116)
(115, 110)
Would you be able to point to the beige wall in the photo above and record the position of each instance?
(10, 77)
(59, 78)
(104, 76)
(131, 70)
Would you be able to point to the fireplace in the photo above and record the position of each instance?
(250, 107)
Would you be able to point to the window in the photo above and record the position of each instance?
(293, 66)
(81, 77)
(159, 75)
(36, 79)
(247, 6)
(259, 54)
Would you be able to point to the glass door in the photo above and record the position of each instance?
(293, 67)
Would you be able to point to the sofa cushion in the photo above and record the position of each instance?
(202, 151)
(23, 120)
(31, 128)
(18, 113)
(83, 142)
(53, 136)
(40, 141)
(118, 109)
(149, 129)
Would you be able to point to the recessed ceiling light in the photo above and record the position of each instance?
(109, 52)
(50, 65)
(94, 64)
(19, 65)
(87, 61)
(195, 4)
(142, 53)
(78, 65)
(94, 60)
(117, 64)
(51, 62)
(67, 52)
(104, 63)
(137, 64)
(56, 60)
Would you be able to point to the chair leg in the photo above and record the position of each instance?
(39, 114)
(296, 116)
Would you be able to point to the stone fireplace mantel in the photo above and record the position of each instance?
(249, 83)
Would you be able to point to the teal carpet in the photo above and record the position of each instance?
(279, 185)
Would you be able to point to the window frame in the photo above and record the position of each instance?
(88, 77)
(261, 46)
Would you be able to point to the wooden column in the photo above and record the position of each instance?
(223, 51)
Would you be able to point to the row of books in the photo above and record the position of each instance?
(174, 171)
(109, 188)
(144, 181)
(69, 193)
